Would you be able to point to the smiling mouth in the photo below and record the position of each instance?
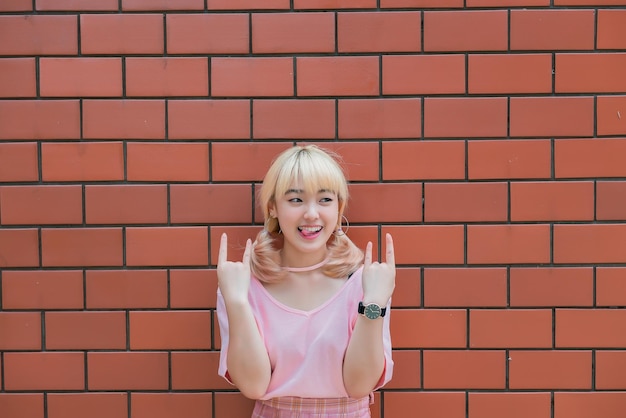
(308, 231)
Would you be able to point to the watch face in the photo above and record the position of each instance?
(372, 311)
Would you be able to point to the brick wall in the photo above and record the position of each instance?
(488, 136)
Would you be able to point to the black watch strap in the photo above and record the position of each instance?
(361, 309)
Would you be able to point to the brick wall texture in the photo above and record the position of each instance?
(488, 136)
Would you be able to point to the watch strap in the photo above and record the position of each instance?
(361, 309)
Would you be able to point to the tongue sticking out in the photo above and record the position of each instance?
(310, 232)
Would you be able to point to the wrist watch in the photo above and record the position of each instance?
(371, 310)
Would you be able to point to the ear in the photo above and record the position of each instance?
(271, 209)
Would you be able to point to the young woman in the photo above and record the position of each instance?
(304, 317)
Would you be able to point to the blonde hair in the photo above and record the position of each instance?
(316, 169)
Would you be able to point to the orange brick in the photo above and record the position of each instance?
(138, 5)
(427, 244)
(484, 30)
(208, 119)
(77, 5)
(20, 331)
(122, 34)
(15, 6)
(167, 76)
(551, 116)
(589, 404)
(552, 29)
(465, 202)
(423, 160)
(50, 204)
(134, 119)
(41, 289)
(465, 287)
(193, 203)
(399, 202)
(610, 286)
(172, 330)
(505, 159)
(423, 74)
(39, 119)
(232, 404)
(172, 405)
(95, 405)
(185, 376)
(237, 236)
(167, 161)
(22, 405)
(19, 248)
(509, 74)
(465, 117)
(79, 77)
(510, 405)
(19, 162)
(167, 246)
(609, 116)
(552, 201)
(406, 370)
(124, 289)
(38, 35)
(611, 29)
(247, 4)
(591, 243)
(127, 370)
(207, 33)
(193, 288)
(432, 328)
(44, 371)
(508, 244)
(551, 287)
(243, 161)
(464, 369)
(334, 4)
(376, 31)
(550, 369)
(125, 204)
(305, 32)
(590, 328)
(590, 73)
(252, 76)
(610, 369)
(507, 3)
(287, 119)
(337, 76)
(18, 77)
(360, 160)
(85, 330)
(380, 118)
(64, 247)
(589, 158)
(430, 404)
(510, 328)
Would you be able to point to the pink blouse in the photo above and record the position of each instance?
(306, 348)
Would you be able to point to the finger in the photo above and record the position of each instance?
(223, 251)
(368, 254)
(246, 253)
(390, 256)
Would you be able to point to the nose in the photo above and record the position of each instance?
(311, 212)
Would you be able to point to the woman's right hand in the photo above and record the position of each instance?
(233, 277)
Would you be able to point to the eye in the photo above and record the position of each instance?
(326, 199)
(295, 200)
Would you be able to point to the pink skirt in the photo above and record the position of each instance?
(289, 407)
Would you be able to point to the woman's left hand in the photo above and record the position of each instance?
(379, 279)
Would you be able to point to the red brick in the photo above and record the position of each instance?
(77, 5)
(334, 4)
(134, 119)
(506, 159)
(207, 33)
(510, 328)
(62, 247)
(22, 405)
(172, 330)
(591, 243)
(124, 289)
(94, 405)
(610, 120)
(399, 202)
(209, 119)
(306, 32)
(44, 371)
(466, 369)
(432, 328)
(465, 117)
(552, 201)
(589, 404)
(125, 204)
(38, 35)
(507, 3)
(406, 371)
(185, 376)
(551, 287)
(79, 77)
(408, 291)
(121, 34)
(611, 29)
(423, 74)
(20, 205)
(484, 30)
(167, 76)
(550, 369)
(590, 328)
(376, 31)
(193, 288)
(286, 119)
(243, 161)
(20, 331)
(510, 74)
(428, 244)
(252, 76)
(18, 77)
(85, 330)
(429, 404)
(248, 4)
(551, 116)
(589, 158)
(465, 287)
(40, 289)
(127, 371)
(232, 404)
(167, 161)
(380, 118)
(465, 202)
(610, 286)
(171, 405)
(610, 370)
(86, 161)
(423, 160)
(237, 236)
(196, 203)
(16, 6)
(19, 248)
(590, 73)
(552, 29)
(39, 119)
(138, 5)
(19, 162)
(360, 160)
(167, 246)
(508, 244)
(338, 76)
(510, 405)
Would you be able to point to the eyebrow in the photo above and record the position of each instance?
(300, 191)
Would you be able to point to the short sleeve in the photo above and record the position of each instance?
(222, 319)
